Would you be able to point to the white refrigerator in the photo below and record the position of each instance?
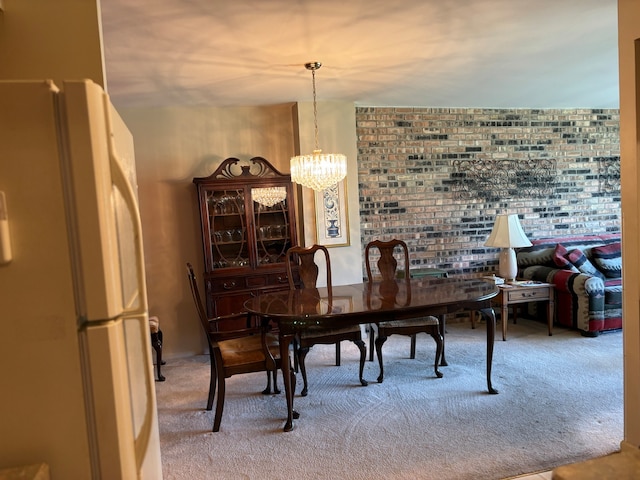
(77, 386)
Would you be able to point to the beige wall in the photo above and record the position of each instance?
(628, 33)
(174, 145)
(59, 39)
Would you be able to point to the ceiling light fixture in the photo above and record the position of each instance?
(318, 170)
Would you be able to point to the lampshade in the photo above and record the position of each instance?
(507, 233)
(268, 196)
(318, 170)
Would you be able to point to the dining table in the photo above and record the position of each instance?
(296, 310)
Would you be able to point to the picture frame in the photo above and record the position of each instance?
(332, 216)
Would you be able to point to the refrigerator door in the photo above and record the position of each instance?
(42, 407)
(111, 287)
(105, 216)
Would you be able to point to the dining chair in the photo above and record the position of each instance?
(234, 352)
(308, 271)
(157, 338)
(388, 292)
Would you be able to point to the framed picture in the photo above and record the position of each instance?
(332, 219)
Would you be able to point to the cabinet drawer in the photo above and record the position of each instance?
(227, 284)
(278, 279)
(256, 281)
(219, 285)
(528, 295)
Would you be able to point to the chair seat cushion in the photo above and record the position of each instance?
(154, 324)
(321, 335)
(409, 323)
(247, 350)
(323, 332)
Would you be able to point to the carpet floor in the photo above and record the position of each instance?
(560, 401)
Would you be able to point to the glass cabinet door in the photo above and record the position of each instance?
(228, 229)
(273, 235)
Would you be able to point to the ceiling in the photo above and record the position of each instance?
(437, 53)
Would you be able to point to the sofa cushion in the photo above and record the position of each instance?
(613, 291)
(542, 249)
(560, 258)
(608, 259)
(582, 263)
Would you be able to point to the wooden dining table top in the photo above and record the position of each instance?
(332, 307)
(347, 304)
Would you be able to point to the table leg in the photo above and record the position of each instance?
(550, 310)
(505, 319)
(443, 326)
(490, 318)
(289, 378)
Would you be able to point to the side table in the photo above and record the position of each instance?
(524, 292)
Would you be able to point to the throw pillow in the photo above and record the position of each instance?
(583, 264)
(608, 259)
(560, 258)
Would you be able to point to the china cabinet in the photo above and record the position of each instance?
(248, 221)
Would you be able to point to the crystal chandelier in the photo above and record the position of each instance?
(318, 170)
(268, 196)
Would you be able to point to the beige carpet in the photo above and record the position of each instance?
(560, 401)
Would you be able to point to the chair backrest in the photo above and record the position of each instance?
(388, 287)
(240, 322)
(193, 283)
(387, 263)
(307, 269)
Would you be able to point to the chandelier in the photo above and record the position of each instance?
(318, 170)
(268, 196)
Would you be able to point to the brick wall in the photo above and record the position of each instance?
(437, 177)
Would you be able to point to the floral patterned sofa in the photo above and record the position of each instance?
(587, 274)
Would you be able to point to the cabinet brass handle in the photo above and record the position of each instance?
(284, 279)
(229, 285)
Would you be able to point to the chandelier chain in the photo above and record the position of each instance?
(315, 108)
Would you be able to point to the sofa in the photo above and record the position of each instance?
(587, 274)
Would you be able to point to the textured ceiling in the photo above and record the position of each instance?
(440, 53)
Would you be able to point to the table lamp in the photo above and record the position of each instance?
(507, 234)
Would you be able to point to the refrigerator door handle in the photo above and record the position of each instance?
(119, 179)
(138, 312)
(143, 438)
